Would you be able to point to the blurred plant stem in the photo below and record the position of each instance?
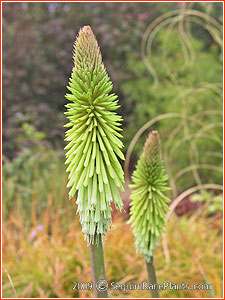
(152, 278)
(98, 268)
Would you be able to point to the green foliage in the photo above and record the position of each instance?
(37, 42)
(213, 203)
(187, 86)
(31, 132)
(148, 205)
(95, 174)
(31, 170)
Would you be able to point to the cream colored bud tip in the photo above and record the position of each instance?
(86, 29)
(155, 132)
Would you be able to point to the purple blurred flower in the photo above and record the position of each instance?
(143, 16)
(33, 234)
(39, 227)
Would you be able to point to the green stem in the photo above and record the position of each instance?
(152, 278)
(98, 269)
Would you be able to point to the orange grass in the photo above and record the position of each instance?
(47, 264)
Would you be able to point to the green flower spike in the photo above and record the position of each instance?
(148, 205)
(95, 174)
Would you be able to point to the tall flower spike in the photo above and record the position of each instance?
(148, 205)
(95, 174)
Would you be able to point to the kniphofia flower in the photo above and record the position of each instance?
(149, 204)
(95, 174)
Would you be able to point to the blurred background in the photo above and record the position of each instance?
(165, 61)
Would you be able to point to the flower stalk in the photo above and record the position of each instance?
(98, 270)
(152, 279)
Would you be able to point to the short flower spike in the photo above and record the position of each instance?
(95, 174)
(148, 205)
